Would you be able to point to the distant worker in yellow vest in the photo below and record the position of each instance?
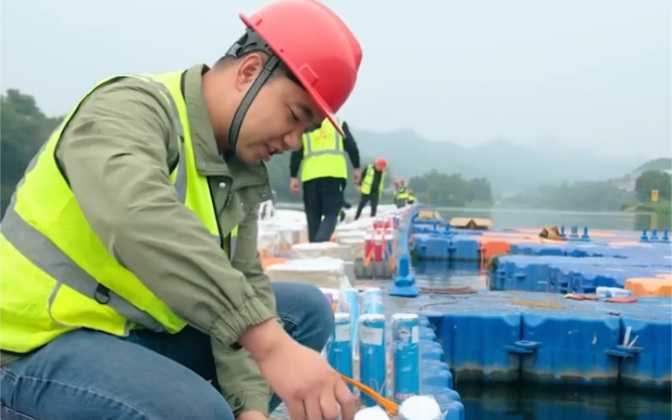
(132, 287)
(411, 197)
(371, 186)
(324, 175)
(400, 193)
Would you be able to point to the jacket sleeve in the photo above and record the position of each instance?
(237, 375)
(350, 146)
(295, 162)
(115, 154)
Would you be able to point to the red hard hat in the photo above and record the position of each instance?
(381, 163)
(316, 46)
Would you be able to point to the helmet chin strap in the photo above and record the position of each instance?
(248, 43)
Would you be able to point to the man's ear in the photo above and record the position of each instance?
(248, 68)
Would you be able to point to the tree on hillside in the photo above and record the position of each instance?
(23, 130)
(451, 190)
(577, 196)
(653, 180)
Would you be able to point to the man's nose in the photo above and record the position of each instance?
(292, 140)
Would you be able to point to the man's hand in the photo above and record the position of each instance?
(294, 185)
(356, 175)
(251, 415)
(306, 383)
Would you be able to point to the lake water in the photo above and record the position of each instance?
(510, 218)
(507, 218)
(530, 402)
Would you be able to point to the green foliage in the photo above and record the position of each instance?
(653, 180)
(23, 130)
(451, 190)
(663, 207)
(578, 196)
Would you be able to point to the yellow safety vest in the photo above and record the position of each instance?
(56, 273)
(367, 180)
(323, 154)
(401, 193)
(411, 199)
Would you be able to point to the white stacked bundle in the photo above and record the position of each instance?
(268, 239)
(323, 272)
(316, 250)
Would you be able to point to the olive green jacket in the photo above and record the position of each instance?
(123, 135)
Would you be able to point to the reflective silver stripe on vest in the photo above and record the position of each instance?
(43, 253)
(337, 150)
(232, 246)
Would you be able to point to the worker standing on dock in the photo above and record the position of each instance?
(400, 193)
(324, 173)
(130, 271)
(371, 186)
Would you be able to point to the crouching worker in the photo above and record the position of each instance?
(132, 287)
(411, 198)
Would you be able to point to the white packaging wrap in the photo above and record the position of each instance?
(316, 250)
(420, 407)
(323, 272)
(371, 413)
(267, 240)
(290, 233)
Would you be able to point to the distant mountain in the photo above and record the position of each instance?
(509, 166)
(627, 181)
(660, 164)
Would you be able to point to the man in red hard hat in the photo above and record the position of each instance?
(324, 176)
(132, 285)
(371, 186)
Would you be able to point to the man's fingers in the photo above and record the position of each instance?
(345, 399)
(312, 405)
(329, 405)
(296, 410)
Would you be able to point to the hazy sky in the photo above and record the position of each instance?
(583, 72)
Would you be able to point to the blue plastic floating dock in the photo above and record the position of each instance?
(543, 338)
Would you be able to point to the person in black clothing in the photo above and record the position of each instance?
(323, 195)
(371, 186)
(341, 214)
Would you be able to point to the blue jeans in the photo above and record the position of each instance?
(87, 375)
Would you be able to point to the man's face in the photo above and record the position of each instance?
(279, 115)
